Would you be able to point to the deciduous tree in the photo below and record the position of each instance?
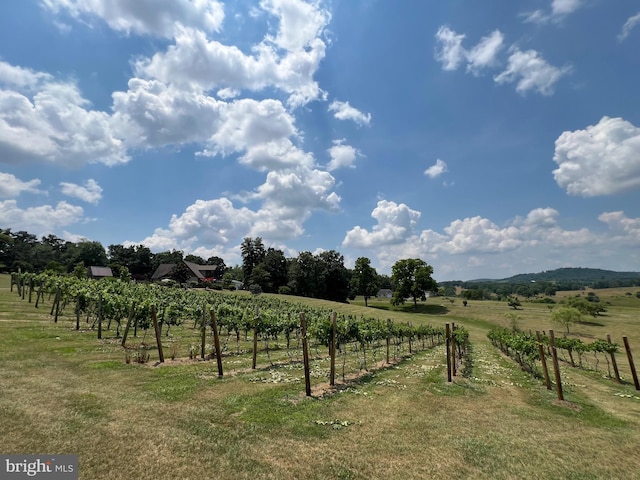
(412, 278)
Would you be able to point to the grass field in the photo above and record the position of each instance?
(64, 391)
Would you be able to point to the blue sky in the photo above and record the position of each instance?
(487, 138)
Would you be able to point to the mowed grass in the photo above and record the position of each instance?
(64, 391)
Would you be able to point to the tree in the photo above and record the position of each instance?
(364, 279)
(275, 263)
(180, 273)
(412, 278)
(198, 260)
(514, 303)
(221, 267)
(336, 276)
(566, 316)
(253, 253)
(168, 257)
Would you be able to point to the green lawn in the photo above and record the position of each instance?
(64, 391)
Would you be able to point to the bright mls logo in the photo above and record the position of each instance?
(50, 467)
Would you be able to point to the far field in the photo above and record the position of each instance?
(65, 391)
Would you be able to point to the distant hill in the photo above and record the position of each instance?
(574, 275)
(550, 281)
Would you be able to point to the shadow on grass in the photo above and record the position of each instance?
(592, 324)
(411, 308)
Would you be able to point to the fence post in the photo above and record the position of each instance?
(613, 362)
(154, 317)
(305, 354)
(547, 380)
(556, 366)
(447, 345)
(216, 342)
(255, 340)
(332, 352)
(631, 364)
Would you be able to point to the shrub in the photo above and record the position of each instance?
(285, 290)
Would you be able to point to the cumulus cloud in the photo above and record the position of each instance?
(21, 78)
(628, 26)
(485, 53)
(287, 200)
(91, 192)
(10, 186)
(41, 219)
(342, 155)
(531, 72)
(195, 62)
(436, 169)
(452, 54)
(395, 223)
(602, 159)
(300, 22)
(620, 224)
(559, 10)
(151, 17)
(528, 69)
(344, 111)
(50, 121)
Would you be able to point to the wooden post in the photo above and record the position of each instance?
(30, 288)
(543, 359)
(39, 294)
(448, 342)
(255, 340)
(22, 288)
(453, 349)
(132, 311)
(99, 317)
(58, 298)
(203, 332)
(556, 367)
(332, 350)
(216, 341)
(388, 337)
(613, 362)
(631, 364)
(305, 354)
(154, 317)
(78, 313)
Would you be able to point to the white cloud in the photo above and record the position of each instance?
(559, 10)
(485, 53)
(451, 53)
(602, 159)
(531, 72)
(39, 220)
(436, 169)
(53, 124)
(10, 186)
(300, 22)
(395, 225)
(288, 199)
(20, 77)
(627, 228)
(628, 26)
(91, 192)
(154, 17)
(195, 62)
(344, 111)
(342, 156)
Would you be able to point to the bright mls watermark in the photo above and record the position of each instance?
(49, 467)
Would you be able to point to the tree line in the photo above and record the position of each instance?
(321, 275)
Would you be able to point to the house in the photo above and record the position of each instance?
(200, 272)
(384, 293)
(99, 272)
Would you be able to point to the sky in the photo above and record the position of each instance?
(487, 138)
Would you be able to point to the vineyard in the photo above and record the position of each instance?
(203, 324)
(153, 382)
